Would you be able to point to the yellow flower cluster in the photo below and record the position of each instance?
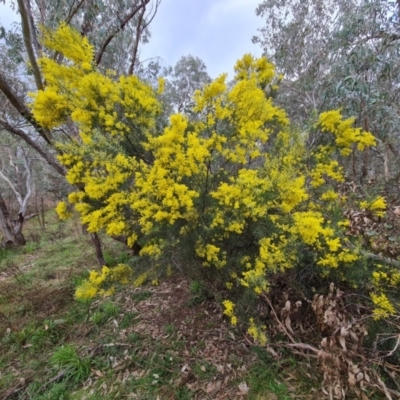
(389, 276)
(211, 255)
(244, 194)
(229, 311)
(111, 113)
(93, 100)
(329, 195)
(383, 306)
(62, 210)
(309, 226)
(382, 278)
(377, 206)
(259, 69)
(70, 43)
(103, 283)
(161, 193)
(330, 169)
(141, 279)
(161, 85)
(151, 249)
(345, 135)
(255, 277)
(257, 333)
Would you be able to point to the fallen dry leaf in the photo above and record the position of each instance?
(213, 387)
(352, 379)
(244, 389)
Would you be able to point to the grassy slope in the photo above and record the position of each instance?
(164, 342)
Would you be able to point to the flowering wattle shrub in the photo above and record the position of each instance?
(234, 193)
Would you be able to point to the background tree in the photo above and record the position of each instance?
(16, 173)
(341, 54)
(181, 81)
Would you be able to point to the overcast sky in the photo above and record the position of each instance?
(217, 31)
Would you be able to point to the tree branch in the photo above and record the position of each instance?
(377, 257)
(21, 199)
(123, 22)
(22, 108)
(139, 31)
(28, 40)
(20, 133)
(3, 208)
(394, 150)
(72, 12)
(35, 41)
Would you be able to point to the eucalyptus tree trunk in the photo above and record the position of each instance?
(11, 229)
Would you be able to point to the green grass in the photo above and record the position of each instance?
(198, 293)
(66, 359)
(264, 376)
(204, 370)
(128, 320)
(112, 258)
(59, 391)
(105, 312)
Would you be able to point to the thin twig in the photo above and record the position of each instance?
(123, 22)
(56, 378)
(278, 320)
(16, 389)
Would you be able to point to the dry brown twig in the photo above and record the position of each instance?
(278, 320)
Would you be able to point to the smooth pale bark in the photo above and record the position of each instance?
(11, 230)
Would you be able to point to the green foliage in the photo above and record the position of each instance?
(263, 380)
(77, 369)
(183, 393)
(59, 391)
(105, 311)
(188, 75)
(32, 336)
(128, 320)
(31, 247)
(198, 292)
(121, 258)
(5, 256)
(352, 48)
